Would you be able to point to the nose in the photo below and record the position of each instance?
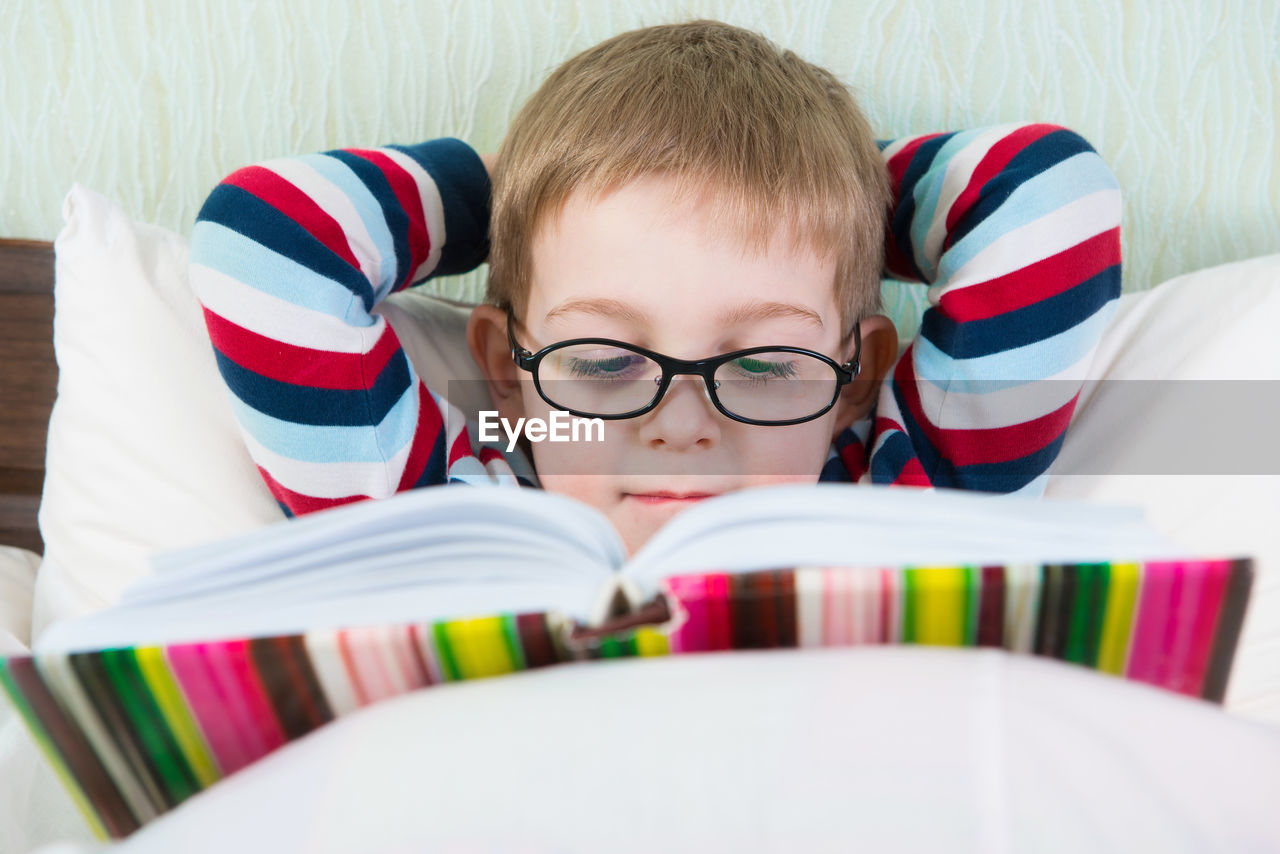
(684, 419)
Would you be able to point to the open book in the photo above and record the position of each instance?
(232, 649)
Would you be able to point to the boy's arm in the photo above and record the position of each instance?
(288, 259)
(1017, 231)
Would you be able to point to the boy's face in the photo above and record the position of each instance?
(638, 267)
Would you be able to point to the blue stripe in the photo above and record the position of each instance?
(215, 246)
(397, 221)
(435, 472)
(1021, 327)
(1035, 487)
(891, 457)
(1038, 156)
(304, 404)
(1020, 364)
(1008, 476)
(926, 194)
(333, 444)
(460, 176)
(834, 471)
(1038, 197)
(369, 210)
(903, 215)
(985, 477)
(258, 226)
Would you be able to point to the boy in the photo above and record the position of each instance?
(702, 217)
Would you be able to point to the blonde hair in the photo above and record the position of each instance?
(765, 138)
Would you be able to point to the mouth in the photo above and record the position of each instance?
(673, 498)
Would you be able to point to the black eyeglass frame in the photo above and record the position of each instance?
(672, 367)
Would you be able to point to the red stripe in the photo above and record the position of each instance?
(894, 259)
(321, 369)
(1036, 282)
(996, 158)
(899, 162)
(406, 191)
(854, 457)
(964, 447)
(887, 425)
(461, 447)
(352, 667)
(912, 474)
(488, 454)
(425, 432)
(297, 206)
(300, 504)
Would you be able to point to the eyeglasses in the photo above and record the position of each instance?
(766, 386)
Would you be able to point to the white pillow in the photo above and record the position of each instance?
(889, 749)
(1166, 398)
(143, 453)
(17, 581)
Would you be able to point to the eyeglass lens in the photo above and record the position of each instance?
(599, 379)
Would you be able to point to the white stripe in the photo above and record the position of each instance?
(809, 606)
(427, 646)
(334, 201)
(960, 169)
(383, 642)
(331, 480)
(57, 673)
(454, 422)
(279, 319)
(897, 145)
(1069, 225)
(432, 209)
(950, 407)
(865, 589)
(1017, 365)
(326, 661)
(469, 471)
(1021, 604)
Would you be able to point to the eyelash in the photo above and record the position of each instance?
(780, 370)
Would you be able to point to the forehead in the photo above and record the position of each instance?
(652, 253)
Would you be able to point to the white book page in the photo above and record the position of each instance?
(841, 524)
(421, 555)
(366, 607)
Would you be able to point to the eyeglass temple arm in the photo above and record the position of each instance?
(854, 365)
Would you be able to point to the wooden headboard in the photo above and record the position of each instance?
(28, 384)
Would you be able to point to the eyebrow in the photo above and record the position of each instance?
(753, 311)
(739, 314)
(600, 306)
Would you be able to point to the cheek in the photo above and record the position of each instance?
(790, 453)
(590, 489)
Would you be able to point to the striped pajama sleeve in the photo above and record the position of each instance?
(289, 259)
(1016, 230)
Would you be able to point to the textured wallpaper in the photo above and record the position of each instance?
(152, 101)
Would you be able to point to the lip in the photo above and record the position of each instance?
(670, 497)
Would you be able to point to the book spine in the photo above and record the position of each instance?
(1226, 632)
(73, 759)
(1168, 623)
(133, 732)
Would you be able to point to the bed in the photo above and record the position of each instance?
(127, 468)
(92, 480)
(28, 382)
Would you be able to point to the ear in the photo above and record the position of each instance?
(879, 353)
(487, 340)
